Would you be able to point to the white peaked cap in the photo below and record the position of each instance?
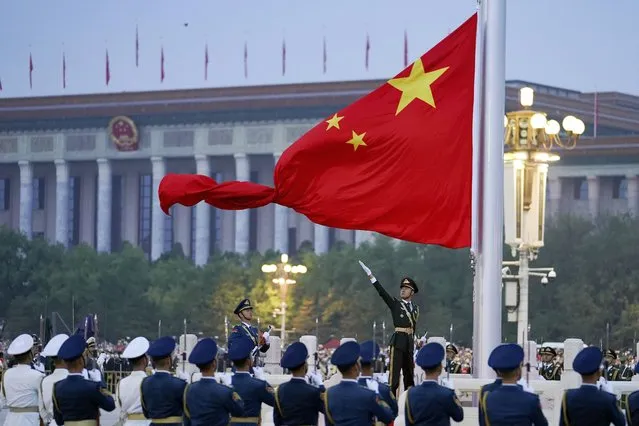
(52, 348)
(136, 348)
(20, 345)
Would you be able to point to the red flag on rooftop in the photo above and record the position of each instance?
(30, 71)
(206, 61)
(107, 75)
(368, 50)
(64, 71)
(397, 161)
(162, 64)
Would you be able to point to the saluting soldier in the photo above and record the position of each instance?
(589, 405)
(348, 403)
(76, 400)
(206, 402)
(431, 403)
(510, 404)
(550, 370)
(128, 390)
(452, 366)
(161, 394)
(253, 391)
(612, 371)
(369, 351)
(21, 384)
(296, 401)
(402, 342)
(60, 372)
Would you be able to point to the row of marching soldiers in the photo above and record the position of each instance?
(66, 397)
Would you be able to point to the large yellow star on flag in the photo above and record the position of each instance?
(416, 85)
(357, 140)
(333, 122)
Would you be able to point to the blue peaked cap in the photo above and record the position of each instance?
(507, 356)
(72, 348)
(588, 360)
(346, 355)
(294, 356)
(430, 355)
(240, 348)
(162, 347)
(369, 351)
(204, 352)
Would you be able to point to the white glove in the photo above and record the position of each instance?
(448, 383)
(267, 337)
(226, 379)
(183, 375)
(368, 271)
(521, 382)
(314, 379)
(381, 377)
(95, 376)
(605, 386)
(258, 373)
(372, 385)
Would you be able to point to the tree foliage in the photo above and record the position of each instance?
(597, 283)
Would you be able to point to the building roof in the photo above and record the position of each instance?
(618, 113)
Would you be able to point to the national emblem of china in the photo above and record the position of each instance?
(123, 133)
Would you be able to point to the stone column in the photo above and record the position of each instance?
(311, 346)
(554, 197)
(157, 215)
(103, 233)
(633, 194)
(273, 356)
(242, 173)
(593, 195)
(26, 198)
(280, 230)
(569, 378)
(62, 202)
(363, 237)
(320, 242)
(202, 217)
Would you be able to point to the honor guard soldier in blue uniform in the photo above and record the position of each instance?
(348, 403)
(253, 391)
(369, 351)
(297, 402)
(632, 405)
(206, 402)
(489, 387)
(76, 401)
(509, 404)
(588, 405)
(431, 403)
(244, 311)
(161, 394)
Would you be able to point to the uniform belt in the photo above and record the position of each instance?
(172, 419)
(245, 419)
(136, 416)
(408, 330)
(24, 410)
(80, 423)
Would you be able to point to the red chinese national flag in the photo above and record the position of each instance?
(397, 161)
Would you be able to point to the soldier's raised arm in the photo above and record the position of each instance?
(388, 299)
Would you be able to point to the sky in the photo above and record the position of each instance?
(586, 45)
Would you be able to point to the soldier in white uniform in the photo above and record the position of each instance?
(128, 390)
(21, 385)
(60, 372)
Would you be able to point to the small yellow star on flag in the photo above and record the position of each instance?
(416, 85)
(334, 122)
(357, 140)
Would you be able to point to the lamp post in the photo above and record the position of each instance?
(529, 139)
(282, 272)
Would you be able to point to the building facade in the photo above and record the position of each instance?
(68, 175)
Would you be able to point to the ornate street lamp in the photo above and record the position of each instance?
(282, 272)
(529, 139)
